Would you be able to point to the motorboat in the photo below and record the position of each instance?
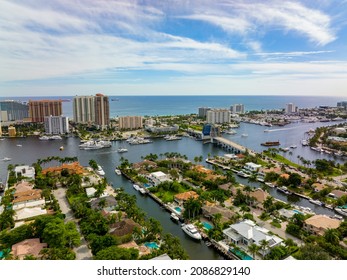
(173, 137)
(100, 171)
(95, 145)
(317, 202)
(6, 159)
(174, 217)
(61, 148)
(19, 145)
(284, 190)
(117, 171)
(242, 174)
(231, 132)
(44, 137)
(55, 137)
(293, 146)
(341, 211)
(122, 150)
(136, 187)
(269, 184)
(244, 135)
(304, 142)
(142, 191)
(191, 230)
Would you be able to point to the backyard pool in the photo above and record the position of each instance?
(152, 245)
(241, 255)
(207, 225)
(178, 209)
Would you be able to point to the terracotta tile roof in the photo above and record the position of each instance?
(23, 186)
(74, 167)
(284, 175)
(272, 169)
(27, 195)
(323, 222)
(186, 195)
(28, 247)
(338, 193)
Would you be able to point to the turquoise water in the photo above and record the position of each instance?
(207, 225)
(152, 245)
(147, 185)
(296, 211)
(178, 209)
(241, 255)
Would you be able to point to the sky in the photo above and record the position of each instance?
(173, 47)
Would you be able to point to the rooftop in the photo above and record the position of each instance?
(323, 222)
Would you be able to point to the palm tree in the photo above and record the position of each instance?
(264, 244)
(332, 236)
(253, 249)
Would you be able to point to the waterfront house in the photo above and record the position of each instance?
(210, 210)
(144, 165)
(158, 177)
(259, 196)
(143, 250)
(251, 166)
(28, 213)
(317, 187)
(27, 247)
(318, 224)
(30, 198)
(72, 168)
(337, 193)
(247, 232)
(123, 227)
(22, 186)
(25, 171)
(107, 203)
(182, 197)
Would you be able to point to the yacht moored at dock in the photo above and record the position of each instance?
(100, 171)
(191, 230)
(117, 171)
(174, 217)
(317, 202)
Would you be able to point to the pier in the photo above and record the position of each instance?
(230, 145)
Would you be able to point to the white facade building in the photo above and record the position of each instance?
(158, 177)
(56, 125)
(237, 109)
(290, 108)
(251, 166)
(25, 171)
(215, 116)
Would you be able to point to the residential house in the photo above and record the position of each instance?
(123, 227)
(146, 164)
(247, 232)
(23, 186)
(25, 171)
(252, 167)
(30, 198)
(27, 247)
(337, 194)
(260, 196)
(210, 210)
(317, 187)
(27, 213)
(318, 224)
(143, 250)
(158, 177)
(107, 203)
(182, 197)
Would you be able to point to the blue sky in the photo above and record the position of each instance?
(173, 47)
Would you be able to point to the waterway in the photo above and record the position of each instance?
(28, 150)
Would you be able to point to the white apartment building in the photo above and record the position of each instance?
(218, 116)
(290, 108)
(84, 109)
(56, 125)
(130, 122)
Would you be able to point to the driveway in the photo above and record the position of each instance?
(82, 251)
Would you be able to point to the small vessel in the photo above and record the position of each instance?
(273, 143)
(244, 135)
(117, 171)
(61, 148)
(317, 202)
(191, 230)
(293, 146)
(136, 187)
(100, 171)
(174, 217)
(341, 211)
(304, 142)
(44, 137)
(269, 184)
(242, 174)
(55, 137)
(284, 149)
(231, 132)
(142, 191)
(267, 130)
(6, 159)
(284, 190)
(122, 150)
(19, 145)
(173, 137)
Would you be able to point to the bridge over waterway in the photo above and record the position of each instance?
(230, 145)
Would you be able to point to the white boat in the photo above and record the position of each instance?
(304, 142)
(136, 187)
(231, 132)
(244, 135)
(6, 159)
(100, 171)
(172, 138)
(19, 145)
(44, 137)
(342, 212)
(174, 217)
(55, 137)
(95, 145)
(271, 185)
(117, 171)
(293, 146)
(61, 148)
(122, 150)
(267, 130)
(191, 230)
(142, 191)
(317, 202)
(242, 174)
(284, 190)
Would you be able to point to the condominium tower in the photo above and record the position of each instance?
(218, 116)
(92, 110)
(237, 109)
(11, 110)
(130, 122)
(56, 125)
(39, 109)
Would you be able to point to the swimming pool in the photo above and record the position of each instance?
(207, 225)
(296, 211)
(241, 255)
(152, 245)
(178, 209)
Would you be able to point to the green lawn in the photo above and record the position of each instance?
(168, 196)
(283, 160)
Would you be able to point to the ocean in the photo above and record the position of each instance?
(182, 105)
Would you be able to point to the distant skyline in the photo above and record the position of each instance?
(173, 47)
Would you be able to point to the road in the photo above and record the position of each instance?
(82, 251)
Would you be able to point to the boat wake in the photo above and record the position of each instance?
(279, 129)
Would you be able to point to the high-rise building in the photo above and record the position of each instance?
(11, 110)
(130, 122)
(237, 109)
(84, 109)
(342, 104)
(102, 110)
(203, 111)
(92, 110)
(56, 125)
(218, 116)
(39, 109)
(12, 131)
(290, 108)
(0, 129)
